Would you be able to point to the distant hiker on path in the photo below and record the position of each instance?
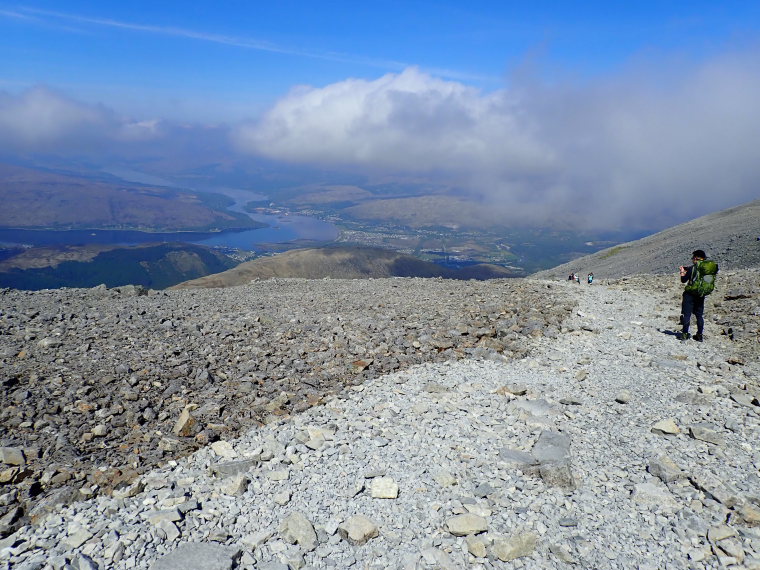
(590, 278)
(700, 281)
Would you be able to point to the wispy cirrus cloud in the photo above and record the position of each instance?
(15, 15)
(52, 17)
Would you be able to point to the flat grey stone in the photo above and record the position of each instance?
(230, 468)
(664, 468)
(562, 552)
(297, 529)
(77, 537)
(516, 546)
(706, 432)
(236, 485)
(623, 397)
(188, 505)
(462, 525)
(517, 457)
(747, 400)
(83, 562)
(538, 408)
(694, 398)
(279, 475)
(384, 488)
(358, 529)
(12, 456)
(483, 490)
(444, 479)
(198, 556)
(654, 494)
(476, 546)
(516, 389)
(551, 446)
(437, 558)
(666, 427)
(749, 514)
(170, 515)
(715, 488)
(669, 363)
(558, 474)
(169, 529)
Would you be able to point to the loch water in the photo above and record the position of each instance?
(280, 229)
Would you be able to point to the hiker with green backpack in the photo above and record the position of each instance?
(700, 282)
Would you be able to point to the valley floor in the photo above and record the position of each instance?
(613, 445)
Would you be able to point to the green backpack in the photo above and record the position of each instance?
(702, 280)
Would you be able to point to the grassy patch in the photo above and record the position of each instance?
(614, 251)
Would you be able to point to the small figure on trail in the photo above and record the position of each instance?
(571, 277)
(577, 278)
(590, 278)
(700, 282)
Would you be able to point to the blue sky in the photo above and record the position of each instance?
(229, 60)
(628, 108)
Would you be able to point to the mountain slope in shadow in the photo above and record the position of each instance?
(731, 237)
(155, 266)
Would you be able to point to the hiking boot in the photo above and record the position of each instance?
(683, 336)
(697, 337)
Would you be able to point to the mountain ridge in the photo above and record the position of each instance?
(351, 262)
(731, 237)
(39, 199)
(155, 266)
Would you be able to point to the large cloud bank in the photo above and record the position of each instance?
(645, 148)
(42, 120)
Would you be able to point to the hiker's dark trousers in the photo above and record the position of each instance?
(692, 304)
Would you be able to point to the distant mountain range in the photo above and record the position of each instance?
(155, 266)
(35, 199)
(730, 237)
(39, 199)
(341, 263)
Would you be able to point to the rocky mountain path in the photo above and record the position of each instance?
(613, 445)
(664, 432)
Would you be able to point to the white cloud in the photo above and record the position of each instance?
(651, 146)
(44, 120)
(41, 121)
(139, 130)
(409, 121)
(39, 117)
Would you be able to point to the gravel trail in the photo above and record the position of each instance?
(612, 445)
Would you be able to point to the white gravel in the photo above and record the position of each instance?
(441, 433)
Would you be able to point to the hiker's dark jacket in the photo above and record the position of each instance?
(685, 278)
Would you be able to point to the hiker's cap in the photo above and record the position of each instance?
(699, 253)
